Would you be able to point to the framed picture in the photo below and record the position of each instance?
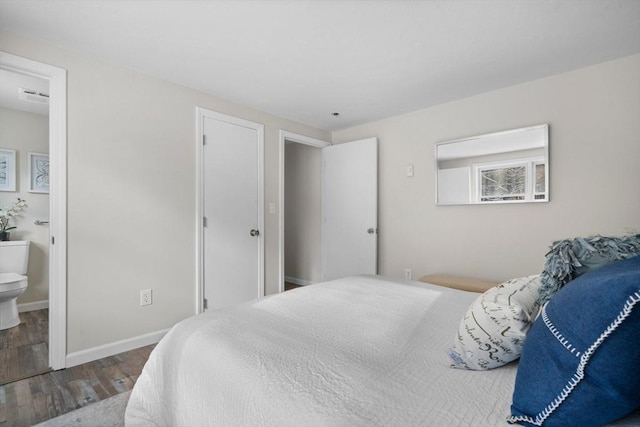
(38, 173)
(7, 170)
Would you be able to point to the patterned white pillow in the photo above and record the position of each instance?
(492, 332)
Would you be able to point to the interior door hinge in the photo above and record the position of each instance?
(205, 303)
(53, 240)
(204, 139)
(204, 221)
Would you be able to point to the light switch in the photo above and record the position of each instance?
(409, 170)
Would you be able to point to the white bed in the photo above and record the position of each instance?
(359, 351)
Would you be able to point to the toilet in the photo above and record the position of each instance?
(14, 260)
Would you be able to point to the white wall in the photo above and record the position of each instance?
(131, 184)
(131, 194)
(594, 117)
(302, 212)
(28, 133)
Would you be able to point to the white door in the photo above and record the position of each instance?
(232, 208)
(349, 209)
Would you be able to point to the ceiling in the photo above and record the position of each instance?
(367, 60)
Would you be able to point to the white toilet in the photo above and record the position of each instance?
(14, 260)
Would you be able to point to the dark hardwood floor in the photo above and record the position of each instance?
(24, 349)
(36, 399)
(288, 286)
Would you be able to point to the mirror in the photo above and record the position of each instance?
(503, 167)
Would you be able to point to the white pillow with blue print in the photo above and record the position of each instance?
(580, 364)
(493, 330)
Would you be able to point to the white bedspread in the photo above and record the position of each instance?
(361, 351)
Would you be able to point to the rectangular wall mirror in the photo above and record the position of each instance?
(503, 167)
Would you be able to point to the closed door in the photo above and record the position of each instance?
(349, 209)
(232, 207)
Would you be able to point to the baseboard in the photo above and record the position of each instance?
(106, 350)
(32, 306)
(296, 281)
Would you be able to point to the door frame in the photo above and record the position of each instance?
(57, 78)
(201, 115)
(299, 139)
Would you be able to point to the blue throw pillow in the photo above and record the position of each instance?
(580, 365)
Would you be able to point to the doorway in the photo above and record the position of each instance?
(231, 204)
(301, 211)
(24, 133)
(56, 239)
(348, 215)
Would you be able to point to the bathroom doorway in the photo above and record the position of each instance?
(24, 131)
(43, 222)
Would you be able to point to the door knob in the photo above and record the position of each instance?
(254, 233)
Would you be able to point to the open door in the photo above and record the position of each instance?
(349, 229)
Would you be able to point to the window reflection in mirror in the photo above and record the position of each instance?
(503, 167)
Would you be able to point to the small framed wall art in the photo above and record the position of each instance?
(38, 173)
(7, 169)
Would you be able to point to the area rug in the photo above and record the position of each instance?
(105, 413)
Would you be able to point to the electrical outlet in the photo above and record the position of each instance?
(145, 297)
(407, 273)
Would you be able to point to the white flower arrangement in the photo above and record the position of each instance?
(6, 215)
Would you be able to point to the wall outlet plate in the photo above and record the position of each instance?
(145, 297)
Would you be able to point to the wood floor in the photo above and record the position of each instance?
(34, 400)
(24, 349)
(288, 286)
